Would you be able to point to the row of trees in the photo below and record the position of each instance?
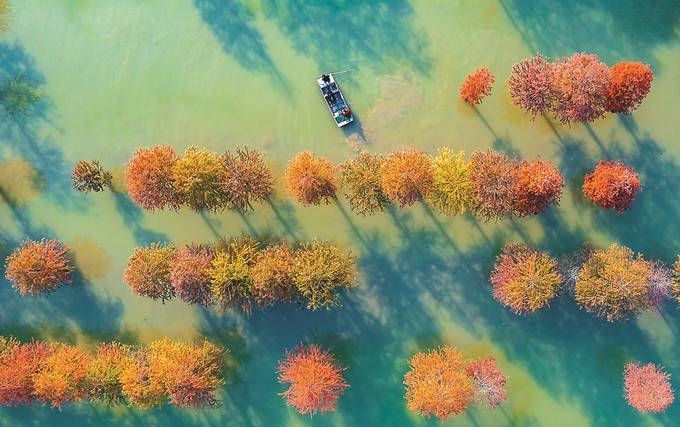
(439, 383)
(573, 89)
(185, 375)
(613, 284)
(157, 178)
(491, 185)
(242, 272)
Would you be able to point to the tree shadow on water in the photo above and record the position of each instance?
(614, 29)
(232, 24)
(31, 135)
(133, 217)
(376, 33)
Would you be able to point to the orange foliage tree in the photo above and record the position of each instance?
(139, 386)
(245, 179)
(407, 176)
(614, 284)
(102, 378)
(477, 86)
(581, 81)
(148, 272)
(149, 177)
(190, 374)
(18, 364)
(525, 279)
(272, 275)
(538, 184)
(188, 274)
(315, 378)
(490, 383)
(647, 388)
(310, 179)
(62, 376)
(493, 179)
(629, 85)
(437, 384)
(39, 267)
(612, 185)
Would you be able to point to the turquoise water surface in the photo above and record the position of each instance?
(223, 74)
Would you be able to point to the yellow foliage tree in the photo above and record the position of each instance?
(230, 273)
(321, 272)
(197, 178)
(452, 190)
(614, 284)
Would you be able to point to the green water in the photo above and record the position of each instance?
(222, 74)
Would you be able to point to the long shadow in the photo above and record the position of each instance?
(614, 29)
(32, 135)
(233, 26)
(133, 217)
(651, 225)
(376, 34)
(285, 214)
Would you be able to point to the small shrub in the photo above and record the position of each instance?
(477, 86)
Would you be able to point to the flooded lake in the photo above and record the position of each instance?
(222, 74)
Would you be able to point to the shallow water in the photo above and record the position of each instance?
(223, 74)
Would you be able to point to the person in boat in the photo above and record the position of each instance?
(326, 78)
(331, 97)
(346, 112)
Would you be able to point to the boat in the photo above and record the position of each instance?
(336, 103)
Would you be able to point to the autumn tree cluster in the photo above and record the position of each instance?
(184, 375)
(491, 185)
(613, 284)
(39, 267)
(442, 383)
(314, 378)
(242, 272)
(157, 178)
(579, 88)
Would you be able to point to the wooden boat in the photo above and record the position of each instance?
(336, 103)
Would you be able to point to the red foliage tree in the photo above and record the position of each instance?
(630, 83)
(612, 185)
(647, 388)
(18, 364)
(477, 86)
(39, 267)
(493, 178)
(149, 176)
(537, 185)
(532, 85)
(489, 381)
(316, 381)
(188, 274)
(437, 384)
(582, 82)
